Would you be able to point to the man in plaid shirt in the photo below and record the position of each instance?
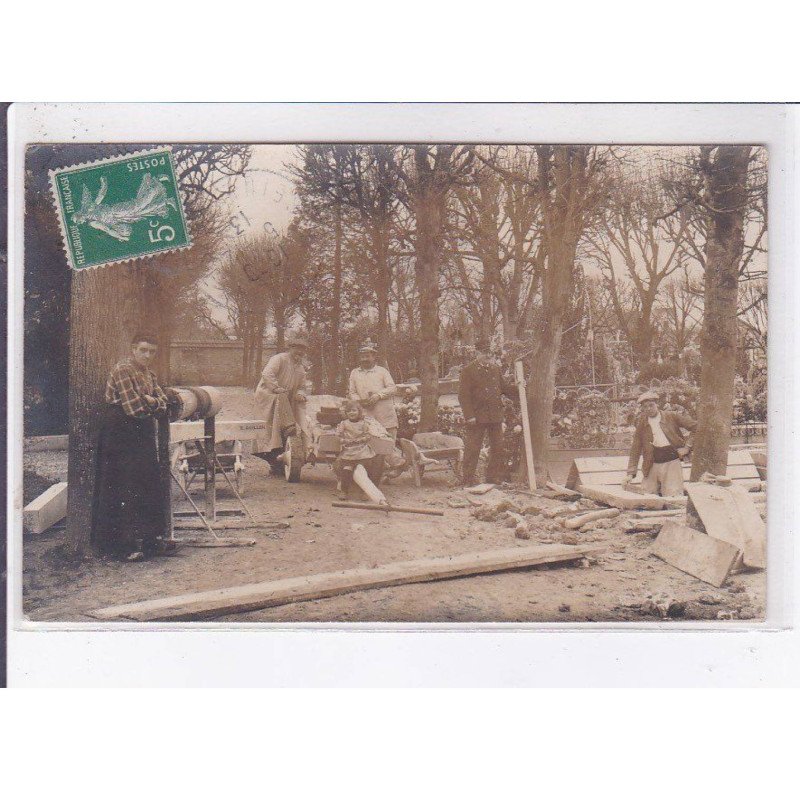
(133, 385)
(130, 503)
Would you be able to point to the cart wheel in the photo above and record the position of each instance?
(293, 458)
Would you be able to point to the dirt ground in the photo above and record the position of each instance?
(622, 582)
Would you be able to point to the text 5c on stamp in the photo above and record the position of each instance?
(120, 208)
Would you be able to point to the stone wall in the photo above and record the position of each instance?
(208, 363)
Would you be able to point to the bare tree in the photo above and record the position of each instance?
(429, 175)
(637, 249)
(361, 179)
(724, 201)
(681, 309)
(752, 313)
(570, 186)
(499, 217)
(245, 279)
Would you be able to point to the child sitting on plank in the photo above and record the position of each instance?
(355, 433)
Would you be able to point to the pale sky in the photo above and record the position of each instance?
(265, 197)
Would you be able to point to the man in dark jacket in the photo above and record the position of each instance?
(659, 441)
(480, 388)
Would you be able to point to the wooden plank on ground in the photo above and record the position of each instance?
(614, 463)
(695, 553)
(612, 470)
(740, 472)
(37, 443)
(754, 528)
(728, 514)
(619, 498)
(676, 512)
(237, 599)
(47, 509)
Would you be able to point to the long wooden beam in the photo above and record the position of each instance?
(253, 596)
(624, 500)
(47, 509)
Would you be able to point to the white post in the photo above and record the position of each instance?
(519, 376)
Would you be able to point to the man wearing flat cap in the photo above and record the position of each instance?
(374, 388)
(279, 398)
(659, 441)
(480, 387)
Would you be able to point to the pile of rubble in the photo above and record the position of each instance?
(716, 530)
(544, 518)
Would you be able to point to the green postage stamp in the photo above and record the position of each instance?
(119, 208)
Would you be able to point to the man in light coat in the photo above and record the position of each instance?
(374, 388)
(279, 398)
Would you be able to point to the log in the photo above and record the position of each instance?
(676, 512)
(238, 599)
(362, 480)
(47, 509)
(646, 526)
(695, 553)
(561, 511)
(519, 377)
(604, 513)
(220, 541)
(387, 507)
(481, 488)
(227, 524)
(619, 498)
(38, 443)
(562, 491)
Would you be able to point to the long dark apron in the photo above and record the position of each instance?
(128, 509)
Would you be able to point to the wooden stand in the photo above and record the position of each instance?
(209, 479)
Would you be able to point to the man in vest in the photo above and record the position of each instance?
(659, 441)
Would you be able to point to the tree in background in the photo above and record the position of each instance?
(638, 246)
(331, 296)
(498, 218)
(357, 184)
(679, 312)
(245, 279)
(429, 174)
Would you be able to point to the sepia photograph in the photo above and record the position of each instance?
(400, 382)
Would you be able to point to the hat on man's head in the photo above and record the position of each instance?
(368, 347)
(483, 345)
(297, 339)
(643, 398)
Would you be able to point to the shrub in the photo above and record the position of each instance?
(583, 419)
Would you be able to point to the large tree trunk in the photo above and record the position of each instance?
(641, 338)
(429, 211)
(382, 281)
(558, 285)
(562, 175)
(333, 369)
(726, 197)
(105, 310)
